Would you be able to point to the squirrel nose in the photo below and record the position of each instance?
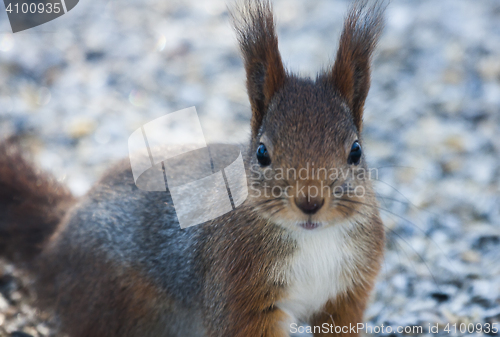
(309, 205)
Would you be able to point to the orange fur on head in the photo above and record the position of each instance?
(351, 72)
(259, 46)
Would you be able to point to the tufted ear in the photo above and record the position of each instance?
(350, 75)
(254, 23)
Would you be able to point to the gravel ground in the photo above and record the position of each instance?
(76, 88)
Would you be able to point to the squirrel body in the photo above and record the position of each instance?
(116, 262)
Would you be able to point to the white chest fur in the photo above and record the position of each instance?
(322, 267)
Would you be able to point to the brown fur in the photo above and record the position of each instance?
(344, 311)
(31, 204)
(239, 291)
(102, 300)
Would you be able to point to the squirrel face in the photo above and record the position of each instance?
(307, 168)
(314, 173)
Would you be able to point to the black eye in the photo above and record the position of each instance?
(355, 155)
(263, 155)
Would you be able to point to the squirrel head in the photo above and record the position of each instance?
(307, 167)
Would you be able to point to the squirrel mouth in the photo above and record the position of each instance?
(309, 225)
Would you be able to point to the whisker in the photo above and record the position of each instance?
(400, 166)
(406, 220)
(393, 232)
(408, 200)
(333, 183)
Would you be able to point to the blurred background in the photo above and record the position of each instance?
(74, 89)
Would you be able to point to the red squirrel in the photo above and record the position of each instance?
(116, 263)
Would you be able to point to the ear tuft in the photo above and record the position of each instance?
(254, 23)
(351, 72)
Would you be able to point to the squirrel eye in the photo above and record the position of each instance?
(355, 154)
(263, 155)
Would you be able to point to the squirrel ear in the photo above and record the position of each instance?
(350, 74)
(254, 23)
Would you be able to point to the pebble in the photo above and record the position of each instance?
(3, 303)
